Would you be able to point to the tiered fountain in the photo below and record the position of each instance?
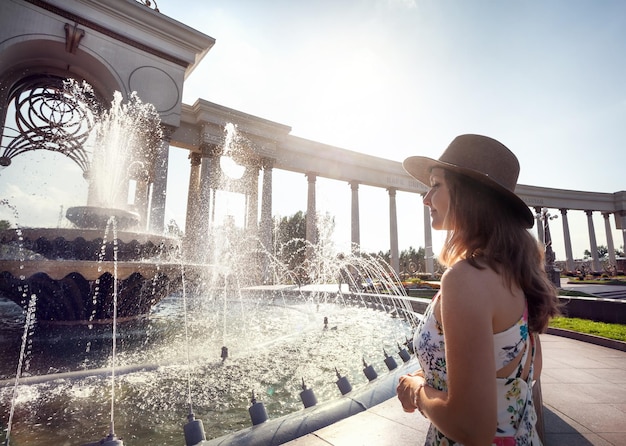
(71, 269)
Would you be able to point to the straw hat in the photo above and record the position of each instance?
(481, 158)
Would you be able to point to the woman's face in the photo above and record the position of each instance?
(438, 199)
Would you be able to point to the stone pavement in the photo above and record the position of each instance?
(604, 291)
(584, 403)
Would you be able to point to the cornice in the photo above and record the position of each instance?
(136, 25)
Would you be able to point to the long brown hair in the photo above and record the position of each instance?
(486, 228)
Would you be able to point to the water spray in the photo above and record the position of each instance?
(193, 429)
(30, 320)
(111, 439)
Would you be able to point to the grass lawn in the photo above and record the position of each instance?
(603, 329)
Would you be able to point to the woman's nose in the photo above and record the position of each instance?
(426, 199)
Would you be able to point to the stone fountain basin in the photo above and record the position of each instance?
(57, 270)
(66, 244)
(74, 272)
(9, 235)
(88, 217)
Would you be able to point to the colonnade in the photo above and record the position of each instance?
(205, 177)
(593, 245)
(267, 145)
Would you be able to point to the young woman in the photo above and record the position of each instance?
(477, 344)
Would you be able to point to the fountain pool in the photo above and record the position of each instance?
(274, 341)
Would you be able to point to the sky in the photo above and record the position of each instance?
(396, 78)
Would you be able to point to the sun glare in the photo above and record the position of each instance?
(231, 168)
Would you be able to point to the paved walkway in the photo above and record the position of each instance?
(584, 403)
(604, 291)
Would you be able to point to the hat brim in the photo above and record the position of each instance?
(420, 168)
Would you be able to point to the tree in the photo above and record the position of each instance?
(290, 244)
(289, 240)
(603, 252)
(4, 224)
(412, 261)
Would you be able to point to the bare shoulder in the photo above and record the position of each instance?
(464, 274)
(464, 282)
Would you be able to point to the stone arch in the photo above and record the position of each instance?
(46, 55)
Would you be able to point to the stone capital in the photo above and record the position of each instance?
(196, 159)
(210, 150)
(267, 163)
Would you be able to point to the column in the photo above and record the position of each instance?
(428, 248)
(209, 173)
(266, 217)
(266, 203)
(609, 240)
(355, 229)
(624, 240)
(311, 215)
(569, 256)
(622, 225)
(193, 199)
(393, 231)
(595, 265)
(159, 183)
(252, 194)
(539, 225)
(215, 184)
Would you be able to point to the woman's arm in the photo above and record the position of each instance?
(467, 413)
(538, 363)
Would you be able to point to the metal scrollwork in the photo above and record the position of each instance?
(49, 116)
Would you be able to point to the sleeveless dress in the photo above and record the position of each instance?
(516, 413)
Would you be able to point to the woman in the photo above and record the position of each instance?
(477, 344)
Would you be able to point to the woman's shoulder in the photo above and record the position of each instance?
(466, 271)
(467, 279)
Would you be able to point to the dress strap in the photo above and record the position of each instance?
(522, 363)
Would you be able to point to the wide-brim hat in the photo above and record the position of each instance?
(483, 159)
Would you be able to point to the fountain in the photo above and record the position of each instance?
(209, 342)
(70, 269)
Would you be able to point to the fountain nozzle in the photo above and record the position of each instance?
(369, 371)
(404, 354)
(307, 396)
(194, 430)
(109, 440)
(257, 411)
(343, 383)
(389, 361)
(409, 345)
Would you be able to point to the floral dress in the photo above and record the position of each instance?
(516, 413)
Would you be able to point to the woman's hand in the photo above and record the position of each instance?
(407, 386)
